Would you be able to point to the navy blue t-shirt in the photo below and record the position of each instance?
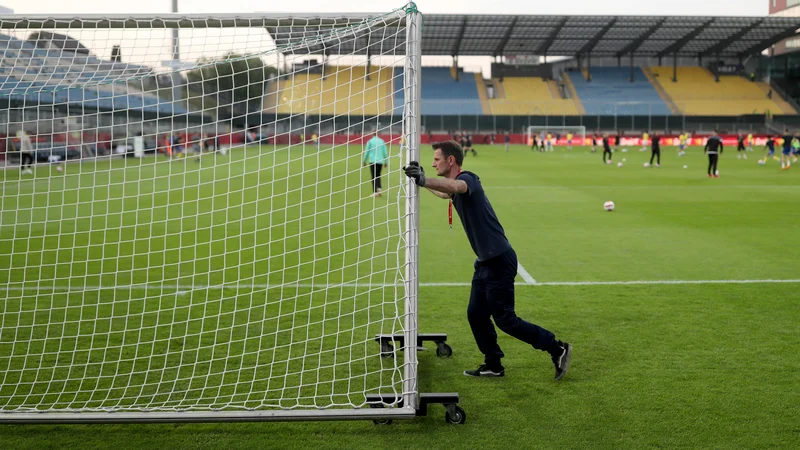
(484, 232)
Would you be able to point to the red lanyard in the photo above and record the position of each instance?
(450, 208)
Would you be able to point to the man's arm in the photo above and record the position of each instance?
(438, 194)
(446, 186)
(706, 149)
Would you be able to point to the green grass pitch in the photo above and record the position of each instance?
(682, 337)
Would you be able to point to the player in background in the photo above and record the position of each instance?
(506, 140)
(549, 138)
(787, 150)
(315, 140)
(26, 155)
(606, 148)
(684, 137)
(468, 144)
(713, 149)
(594, 143)
(740, 148)
(656, 150)
(534, 144)
(795, 146)
(769, 148)
(645, 139)
(569, 141)
(750, 142)
(376, 157)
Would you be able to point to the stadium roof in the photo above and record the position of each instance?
(501, 35)
(477, 35)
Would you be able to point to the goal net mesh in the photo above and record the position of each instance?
(198, 230)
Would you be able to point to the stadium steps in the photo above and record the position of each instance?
(554, 90)
(575, 99)
(485, 106)
(654, 80)
(784, 106)
(270, 104)
(500, 90)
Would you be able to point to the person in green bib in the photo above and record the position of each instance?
(375, 156)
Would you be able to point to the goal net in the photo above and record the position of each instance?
(187, 227)
(558, 135)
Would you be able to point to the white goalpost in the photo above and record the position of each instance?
(578, 133)
(179, 251)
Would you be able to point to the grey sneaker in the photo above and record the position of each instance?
(484, 371)
(561, 359)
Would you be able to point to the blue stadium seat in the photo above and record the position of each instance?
(611, 93)
(441, 94)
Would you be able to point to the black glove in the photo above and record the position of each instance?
(413, 170)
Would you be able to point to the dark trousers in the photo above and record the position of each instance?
(375, 171)
(712, 163)
(656, 154)
(26, 156)
(604, 155)
(492, 297)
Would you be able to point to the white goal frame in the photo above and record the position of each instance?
(407, 402)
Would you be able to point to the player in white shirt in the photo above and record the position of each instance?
(26, 155)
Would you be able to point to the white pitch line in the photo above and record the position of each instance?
(524, 274)
(182, 288)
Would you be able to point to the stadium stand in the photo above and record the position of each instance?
(530, 95)
(47, 76)
(343, 90)
(611, 92)
(696, 93)
(442, 94)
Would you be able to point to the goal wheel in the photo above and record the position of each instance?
(455, 415)
(387, 349)
(443, 350)
(380, 421)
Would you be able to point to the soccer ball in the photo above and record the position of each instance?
(619, 164)
(60, 169)
(624, 159)
(624, 150)
(608, 206)
(717, 173)
(760, 162)
(647, 164)
(685, 166)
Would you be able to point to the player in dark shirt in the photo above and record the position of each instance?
(787, 150)
(740, 149)
(468, 144)
(606, 148)
(492, 294)
(655, 143)
(713, 149)
(770, 148)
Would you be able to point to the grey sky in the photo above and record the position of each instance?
(594, 7)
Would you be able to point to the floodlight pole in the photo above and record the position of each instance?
(176, 56)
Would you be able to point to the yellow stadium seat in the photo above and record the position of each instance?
(530, 96)
(696, 93)
(344, 90)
